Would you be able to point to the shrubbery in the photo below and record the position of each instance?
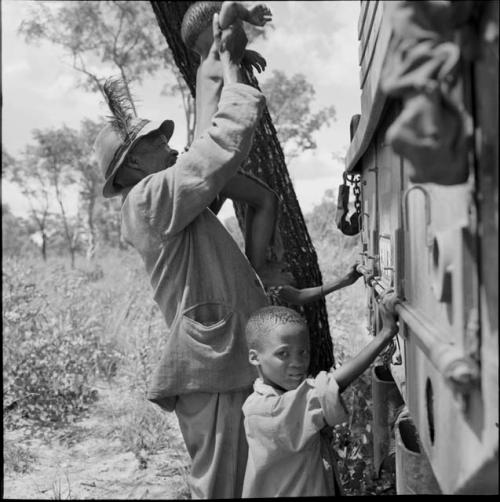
(53, 345)
(66, 329)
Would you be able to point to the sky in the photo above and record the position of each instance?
(318, 39)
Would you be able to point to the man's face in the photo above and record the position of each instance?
(151, 154)
(283, 359)
(154, 153)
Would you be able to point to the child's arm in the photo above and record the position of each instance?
(352, 369)
(230, 12)
(296, 296)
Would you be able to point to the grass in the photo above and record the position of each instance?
(17, 457)
(111, 300)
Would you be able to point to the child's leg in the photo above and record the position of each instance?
(260, 216)
(229, 13)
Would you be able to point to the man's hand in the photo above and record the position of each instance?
(253, 58)
(230, 42)
(353, 275)
(259, 15)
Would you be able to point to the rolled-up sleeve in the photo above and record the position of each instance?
(172, 198)
(328, 395)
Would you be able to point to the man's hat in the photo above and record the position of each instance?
(110, 148)
(116, 139)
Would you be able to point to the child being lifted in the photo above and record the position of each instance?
(262, 202)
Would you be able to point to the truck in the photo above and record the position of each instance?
(431, 240)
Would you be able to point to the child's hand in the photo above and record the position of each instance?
(259, 15)
(252, 58)
(287, 294)
(387, 309)
(353, 275)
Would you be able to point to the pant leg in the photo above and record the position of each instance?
(213, 431)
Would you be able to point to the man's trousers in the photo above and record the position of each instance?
(213, 431)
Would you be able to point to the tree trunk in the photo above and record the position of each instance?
(67, 233)
(266, 161)
(44, 246)
(91, 244)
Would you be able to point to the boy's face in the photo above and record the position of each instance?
(283, 358)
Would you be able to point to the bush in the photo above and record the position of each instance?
(53, 345)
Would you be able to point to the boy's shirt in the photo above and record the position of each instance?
(202, 282)
(285, 450)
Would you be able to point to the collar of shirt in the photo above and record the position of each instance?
(265, 389)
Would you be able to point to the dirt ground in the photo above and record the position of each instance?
(82, 464)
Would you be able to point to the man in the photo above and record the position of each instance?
(203, 284)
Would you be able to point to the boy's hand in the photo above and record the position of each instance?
(287, 293)
(387, 309)
(259, 15)
(353, 275)
(253, 58)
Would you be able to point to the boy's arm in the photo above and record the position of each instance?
(307, 295)
(352, 369)
(350, 278)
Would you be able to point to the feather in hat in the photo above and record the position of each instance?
(121, 106)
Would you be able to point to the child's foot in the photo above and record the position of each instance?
(274, 274)
(228, 14)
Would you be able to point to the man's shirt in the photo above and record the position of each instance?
(204, 285)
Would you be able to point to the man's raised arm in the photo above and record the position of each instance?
(186, 189)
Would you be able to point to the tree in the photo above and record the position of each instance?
(117, 35)
(8, 163)
(89, 180)
(34, 184)
(289, 102)
(108, 222)
(325, 235)
(55, 155)
(16, 234)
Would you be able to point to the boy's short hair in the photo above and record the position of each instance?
(196, 19)
(263, 320)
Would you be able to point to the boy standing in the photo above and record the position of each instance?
(262, 202)
(286, 413)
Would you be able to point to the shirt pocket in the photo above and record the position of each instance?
(209, 326)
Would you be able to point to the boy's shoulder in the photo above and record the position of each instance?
(268, 401)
